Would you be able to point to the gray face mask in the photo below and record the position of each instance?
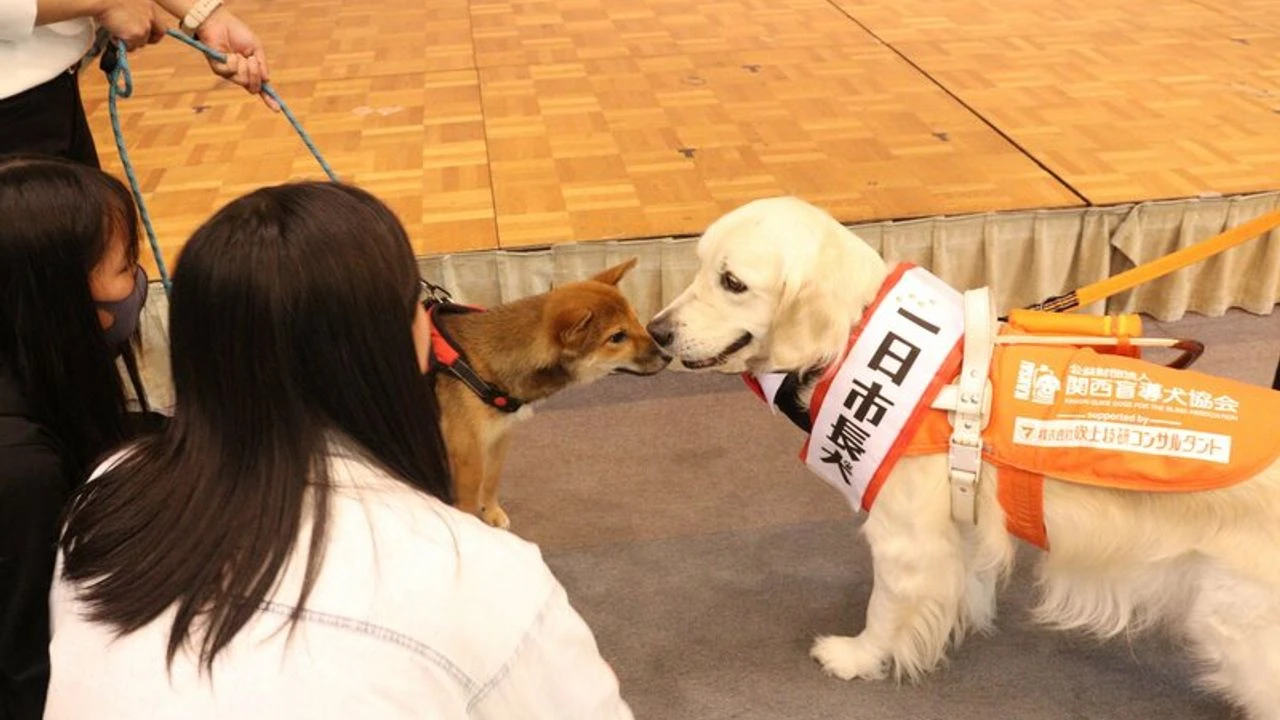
(126, 313)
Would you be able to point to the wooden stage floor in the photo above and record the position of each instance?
(517, 123)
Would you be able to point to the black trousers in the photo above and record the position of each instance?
(48, 120)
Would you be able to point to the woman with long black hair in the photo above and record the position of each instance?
(71, 291)
(286, 548)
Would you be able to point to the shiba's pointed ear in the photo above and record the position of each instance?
(571, 326)
(614, 274)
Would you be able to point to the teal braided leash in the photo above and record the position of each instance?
(115, 63)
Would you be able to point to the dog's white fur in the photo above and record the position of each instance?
(1204, 565)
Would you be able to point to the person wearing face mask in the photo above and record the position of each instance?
(287, 547)
(71, 291)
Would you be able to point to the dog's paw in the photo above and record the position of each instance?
(848, 658)
(496, 517)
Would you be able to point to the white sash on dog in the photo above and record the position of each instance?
(884, 383)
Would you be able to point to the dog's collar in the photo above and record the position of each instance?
(787, 397)
(447, 355)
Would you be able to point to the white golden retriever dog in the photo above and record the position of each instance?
(780, 286)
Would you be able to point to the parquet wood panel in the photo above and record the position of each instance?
(1265, 13)
(1153, 113)
(529, 32)
(416, 140)
(310, 40)
(653, 146)
(489, 123)
(957, 20)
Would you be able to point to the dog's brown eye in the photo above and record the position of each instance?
(618, 337)
(730, 282)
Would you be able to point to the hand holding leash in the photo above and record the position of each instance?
(244, 60)
(134, 22)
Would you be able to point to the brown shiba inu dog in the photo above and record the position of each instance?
(491, 365)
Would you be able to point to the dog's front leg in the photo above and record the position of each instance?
(495, 459)
(466, 461)
(916, 599)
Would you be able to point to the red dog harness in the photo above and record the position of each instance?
(448, 356)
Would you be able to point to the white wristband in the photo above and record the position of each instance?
(198, 13)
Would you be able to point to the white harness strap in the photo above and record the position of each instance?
(969, 403)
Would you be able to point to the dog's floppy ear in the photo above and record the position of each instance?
(571, 325)
(614, 274)
(823, 297)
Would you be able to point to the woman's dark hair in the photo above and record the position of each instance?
(291, 335)
(55, 221)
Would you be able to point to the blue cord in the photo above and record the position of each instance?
(269, 92)
(120, 72)
(121, 85)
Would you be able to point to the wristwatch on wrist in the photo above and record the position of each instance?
(198, 13)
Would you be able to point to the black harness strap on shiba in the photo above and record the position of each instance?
(447, 355)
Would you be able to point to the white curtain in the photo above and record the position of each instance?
(1023, 256)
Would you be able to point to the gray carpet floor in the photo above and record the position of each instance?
(705, 557)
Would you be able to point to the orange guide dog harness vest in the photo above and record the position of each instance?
(1106, 419)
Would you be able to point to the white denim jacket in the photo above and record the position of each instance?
(419, 611)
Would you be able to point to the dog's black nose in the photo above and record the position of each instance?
(660, 331)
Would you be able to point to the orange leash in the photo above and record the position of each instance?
(1161, 266)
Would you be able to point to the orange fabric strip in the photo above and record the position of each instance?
(1021, 495)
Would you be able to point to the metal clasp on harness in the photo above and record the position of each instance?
(964, 463)
(969, 401)
(430, 294)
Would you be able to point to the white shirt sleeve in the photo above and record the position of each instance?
(17, 19)
(556, 673)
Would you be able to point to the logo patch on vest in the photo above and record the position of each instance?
(1105, 435)
(1107, 408)
(1112, 408)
